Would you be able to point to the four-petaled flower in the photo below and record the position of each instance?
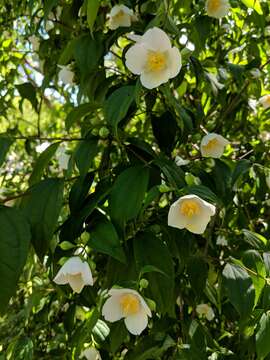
(127, 304)
(192, 213)
(153, 58)
(76, 273)
(217, 8)
(213, 145)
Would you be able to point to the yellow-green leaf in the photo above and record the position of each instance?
(254, 4)
(92, 10)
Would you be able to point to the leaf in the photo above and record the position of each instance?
(253, 261)
(28, 91)
(5, 143)
(130, 185)
(78, 112)
(85, 153)
(241, 168)
(92, 11)
(118, 334)
(257, 241)
(239, 288)
(67, 53)
(262, 337)
(42, 206)
(253, 4)
(104, 238)
(204, 192)
(150, 250)
(197, 265)
(41, 163)
(117, 105)
(79, 192)
(14, 243)
(173, 173)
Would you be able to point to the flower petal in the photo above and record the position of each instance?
(151, 80)
(156, 39)
(87, 274)
(76, 282)
(175, 218)
(136, 58)
(198, 224)
(175, 61)
(136, 323)
(112, 310)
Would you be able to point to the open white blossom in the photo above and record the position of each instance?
(265, 101)
(180, 161)
(192, 213)
(35, 41)
(153, 58)
(127, 304)
(217, 8)
(206, 311)
(76, 273)
(91, 354)
(62, 158)
(66, 75)
(213, 145)
(120, 15)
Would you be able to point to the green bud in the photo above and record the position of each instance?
(163, 188)
(103, 132)
(95, 132)
(144, 283)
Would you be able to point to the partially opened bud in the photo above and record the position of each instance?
(90, 354)
(213, 145)
(76, 273)
(206, 311)
(66, 75)
(265, 101)
(120, 16)
(127, 304)
(217, 8)
(191, 212)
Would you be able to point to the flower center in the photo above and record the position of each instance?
(119, 15)
(214, 5)
(189, 208)
(211, 144)
(156, 61)
(130, 304)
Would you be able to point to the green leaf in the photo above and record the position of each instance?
(239, 288)
(118, 334)
(104, 238)
(197, 265)
(263, 336)
(257, 241)
(5, 143)
(15, 237)
(28, 91)
(253, 4)
(173, 173)
(150, 250)
(117, 105)
(128, 193)
(41, 163)
(85, 153)
(241, 168)
(204, 192)
(79, 191)
(67, 53)
(92, 11)
(79, 112)
(42, 205)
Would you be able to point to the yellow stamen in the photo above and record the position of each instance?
(189, 208)
(130, 304)
(214, 5)
(211, 144)
(156, 61)
(119, 15)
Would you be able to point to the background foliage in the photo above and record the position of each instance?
(112, 201)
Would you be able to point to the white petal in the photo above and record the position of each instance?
(175, 61)
(87, 274)
(60, 278)
(91, 354)
(76, 282)
(112, 309)
(175, 218)
(198, 224)
(134, 37)
(73, 265)
(151, 80)
(136, 58)
(136, 323)
(156, 39)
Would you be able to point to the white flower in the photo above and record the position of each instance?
(256, 73)
(213, 145)
(35, 41)
(217, 8)
(180, 161)
(265, 135)
(62, 157)
(42, 147)
(66, 75)
(190, 212)
(153, 58)
(221, 240)
(216, 85)
(120, 15)
(127, 304)
(265, 101)
(76, 273)
(206, 311)
(91, 354)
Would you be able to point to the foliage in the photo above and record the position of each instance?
(109, 202)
